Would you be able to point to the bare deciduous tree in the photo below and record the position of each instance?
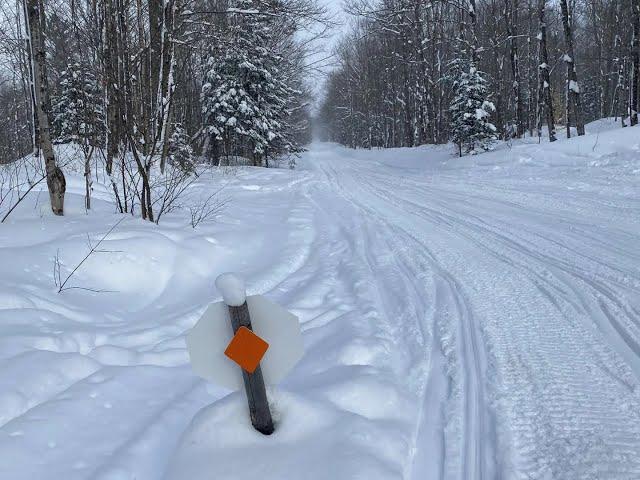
(35, 28)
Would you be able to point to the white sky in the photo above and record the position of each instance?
(326, 46)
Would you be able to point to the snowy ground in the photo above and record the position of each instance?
(472, 318)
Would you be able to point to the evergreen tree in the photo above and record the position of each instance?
(180, 151)
(243, 96)
(470, 109)
(78, 115)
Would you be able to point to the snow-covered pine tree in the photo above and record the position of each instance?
(243, 96)
(180, 151)
(470, 109)
(78, 115)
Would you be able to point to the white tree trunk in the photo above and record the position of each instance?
(55, 178)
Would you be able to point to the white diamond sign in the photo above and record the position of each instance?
(208, 339)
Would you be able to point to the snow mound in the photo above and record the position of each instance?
(313, 440)
(232, 288)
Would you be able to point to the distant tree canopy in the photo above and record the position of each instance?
(541, 61)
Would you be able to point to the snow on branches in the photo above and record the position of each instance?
(245, 94)
(470, 109)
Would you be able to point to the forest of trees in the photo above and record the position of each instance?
(153, 84)
(412, 72)
(148, 86)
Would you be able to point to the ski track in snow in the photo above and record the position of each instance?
(463, 319)
(415, 257)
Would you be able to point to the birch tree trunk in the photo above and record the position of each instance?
(473, 34)
(635, 63)
(35, 131)
(110, 65)
(155, 51)
(55, 178)
(512, 24)
(423, 108)
(166, 79)
(545, 99)
(573, 88)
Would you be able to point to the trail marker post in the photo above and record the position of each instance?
(253, 381)
(252, 333)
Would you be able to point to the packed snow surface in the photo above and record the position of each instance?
(474, 318)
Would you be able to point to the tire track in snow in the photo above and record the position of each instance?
(477, 461)
(547, 260)
(404, 284)
(521, 257)
(477, 439)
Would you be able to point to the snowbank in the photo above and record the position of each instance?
(462, 318)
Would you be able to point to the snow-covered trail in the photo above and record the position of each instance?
(536, 320)
(469, 434)
(473, 318)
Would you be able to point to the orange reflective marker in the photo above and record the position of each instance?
(246, 349)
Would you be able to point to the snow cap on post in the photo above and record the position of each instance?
(232, 288)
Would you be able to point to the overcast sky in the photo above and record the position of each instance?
(326, 46)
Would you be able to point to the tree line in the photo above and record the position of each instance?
(412, 72)
(150, 87)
